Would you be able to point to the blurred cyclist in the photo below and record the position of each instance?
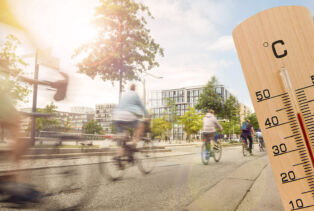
(247, 132)
(127, 115)
(210, 123)
(14, 185)
(260, 138)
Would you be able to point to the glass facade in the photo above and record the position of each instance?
(183, 98)
(104, 116)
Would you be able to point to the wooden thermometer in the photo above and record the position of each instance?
(276, 51)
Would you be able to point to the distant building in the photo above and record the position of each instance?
(183, 98)
(103, 116)
(244, 112)
(82, 110)
(75, 120)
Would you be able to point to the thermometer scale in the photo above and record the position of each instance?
(276, 51)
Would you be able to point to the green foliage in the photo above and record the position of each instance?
(231, 112)
(11, 66)
(160, 127)
(171, 113)
(92, 127)
(253, 119)
(67, 125)
(47, 123)
(191, 121)
(231, 109)
(209, 99)
(123, 47)
(232, 127)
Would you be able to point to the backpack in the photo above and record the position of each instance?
(244, 125)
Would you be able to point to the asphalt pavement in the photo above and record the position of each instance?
(179, 182)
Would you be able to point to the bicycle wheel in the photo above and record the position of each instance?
(205, 154)
(67, 182)
(245, 150)
(110, 166)
(217, 151)
(146, 156)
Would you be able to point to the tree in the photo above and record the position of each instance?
(228, 127)
(192, 122)
(209, 99)
(253, 120)
(159, 127)
(11, 66)
(92, 127)
(171, 114)
(231, 112)
(67, 125)
(47, 123)
(124, 47)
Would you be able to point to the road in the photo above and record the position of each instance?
(174, 184)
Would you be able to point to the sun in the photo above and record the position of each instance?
(57, 24)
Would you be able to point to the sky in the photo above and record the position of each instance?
(196, 36)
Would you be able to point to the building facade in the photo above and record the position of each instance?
(82, 110)
(75, 121)
(244, 112)
(183, 98)
(103, 116)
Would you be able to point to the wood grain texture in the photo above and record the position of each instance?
(282, 37)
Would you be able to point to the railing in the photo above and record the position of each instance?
(73, 136)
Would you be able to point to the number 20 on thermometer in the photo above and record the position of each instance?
(276, 51)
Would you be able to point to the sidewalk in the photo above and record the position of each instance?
(251, 187)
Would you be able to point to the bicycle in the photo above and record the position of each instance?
(52, 183)
(245, 148)
(113, 167)
(261, 144)
(206, 151)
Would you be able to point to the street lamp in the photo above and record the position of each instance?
(144, 85)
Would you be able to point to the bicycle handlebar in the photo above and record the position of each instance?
(60, 85)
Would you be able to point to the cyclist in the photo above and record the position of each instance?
(260, 138)
(14, 185)
(210, 123)
(247, 131)
(127, 115)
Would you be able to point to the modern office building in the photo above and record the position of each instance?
(75, 120)
(82, 110)
(103, 116)
(244, 112)
(183, 98)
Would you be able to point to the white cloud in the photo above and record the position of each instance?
(185, 75)
(224, 43)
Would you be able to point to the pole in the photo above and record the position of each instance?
(144, 91)
(35, 87)
(120, 85)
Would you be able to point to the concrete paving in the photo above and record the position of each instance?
(263, 195)
(251, 187)
(229, 192)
